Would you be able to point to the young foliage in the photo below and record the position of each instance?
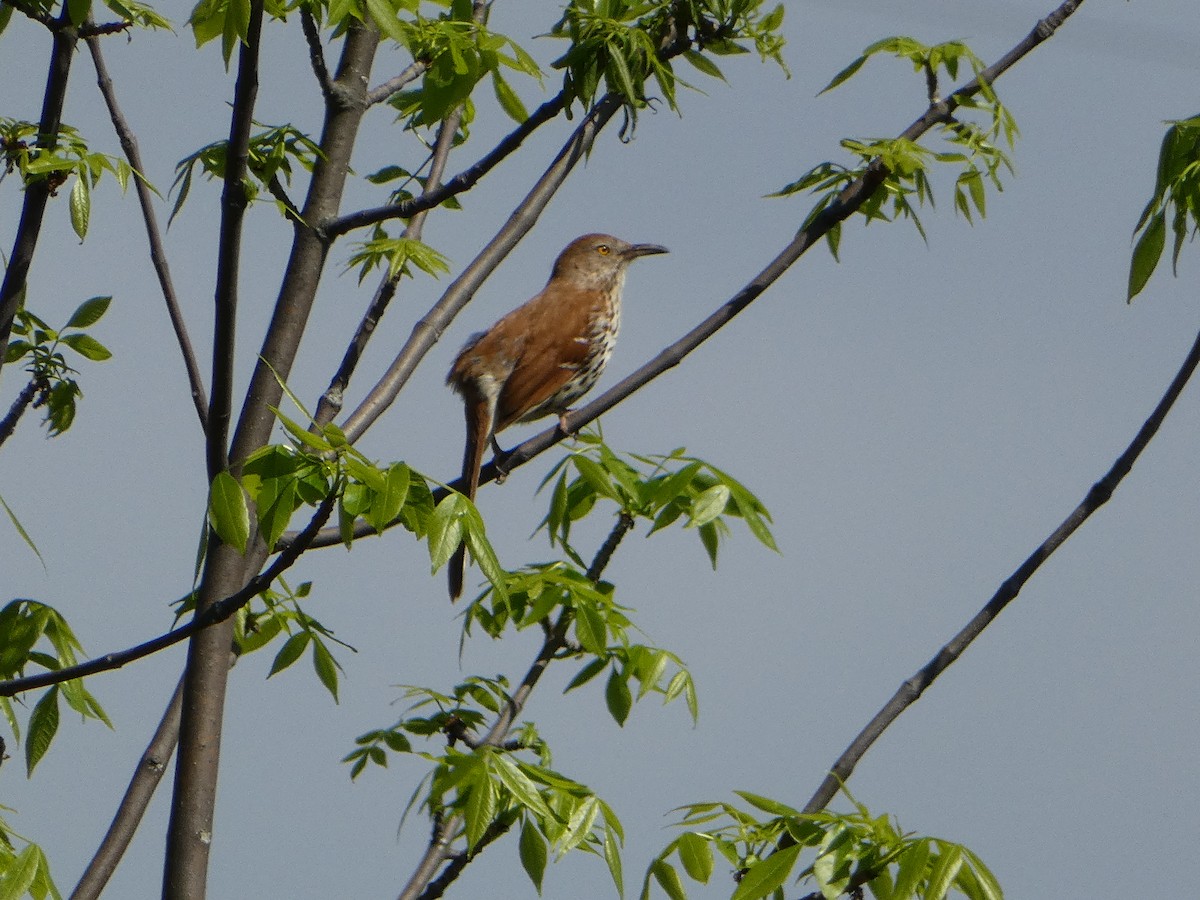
(491, 787)
(34, 633)
(56, 165)
(42, 348)
(971, 147)
(839, 854)
(270, 158)
(660, 489)
(623, 45)
(24, 872)
(1177, 195)
(399, 255)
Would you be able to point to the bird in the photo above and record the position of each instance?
(544, 355)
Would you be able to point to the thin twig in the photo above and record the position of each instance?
(19, 405)
(158, 252)
(397, 83)
(911, 690)
(316, 53)
(461, 182)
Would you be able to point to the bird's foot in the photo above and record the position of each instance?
(499, 460)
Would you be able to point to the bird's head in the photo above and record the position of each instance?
(599, 260)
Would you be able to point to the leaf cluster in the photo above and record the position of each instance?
(491, 787)
(399, 255)
(270, 156)
(621, 45)
(660, 489)
(24, 626)
(1177, 195)
(838, 853)
(129, 11)
(24, 872)
(973, 148)
(54, 165)
(41, 347)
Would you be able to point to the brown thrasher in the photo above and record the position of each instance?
(544, 355)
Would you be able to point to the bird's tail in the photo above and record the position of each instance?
(479, 427)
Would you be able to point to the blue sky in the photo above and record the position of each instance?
(918, 418)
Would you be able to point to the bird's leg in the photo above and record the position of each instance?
(563, 425)
(498, 460)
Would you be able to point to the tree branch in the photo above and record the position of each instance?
(397, 83)
(132, 808)
(911, 690)
(229, 245)
(461, 182)
(9, 423)
(316, 53)
(37, 190)
(158, 253)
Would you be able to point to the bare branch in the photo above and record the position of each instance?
(911, 690)
(19, 405)
(316, 53)
(229, 245)
(396, 83)
(132, 808)
(158, 253)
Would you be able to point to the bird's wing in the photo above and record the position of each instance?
(556, 348)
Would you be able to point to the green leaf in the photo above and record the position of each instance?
(388, 504)
(524, 791)
(89, 312)
(292, 649)
(617, 696)
(325, 667)
(766, 875)
(43, 724)
(532, 847)
(12, 517)
(20, 873)
(508, 99)
(1146, 254)
(945, 869)
(703, 64)
(695, 853)
(988, 885)
(81, 205)
(228, 513)
(87, 346)
(480, 807)
(579, 825)
(668, 879)
(612, 856)
(590, 629)
(709, 505)
(767, 805)
(845, 75)
(912, 864)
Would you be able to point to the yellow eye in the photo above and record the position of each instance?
(602, 249)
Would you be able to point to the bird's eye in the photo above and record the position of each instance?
(602, 249)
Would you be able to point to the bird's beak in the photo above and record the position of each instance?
(645, 250)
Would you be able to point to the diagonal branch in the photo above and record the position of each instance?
(158, 253)
(132, 808)
(910, 691)
(316, 53)
(396, 83)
